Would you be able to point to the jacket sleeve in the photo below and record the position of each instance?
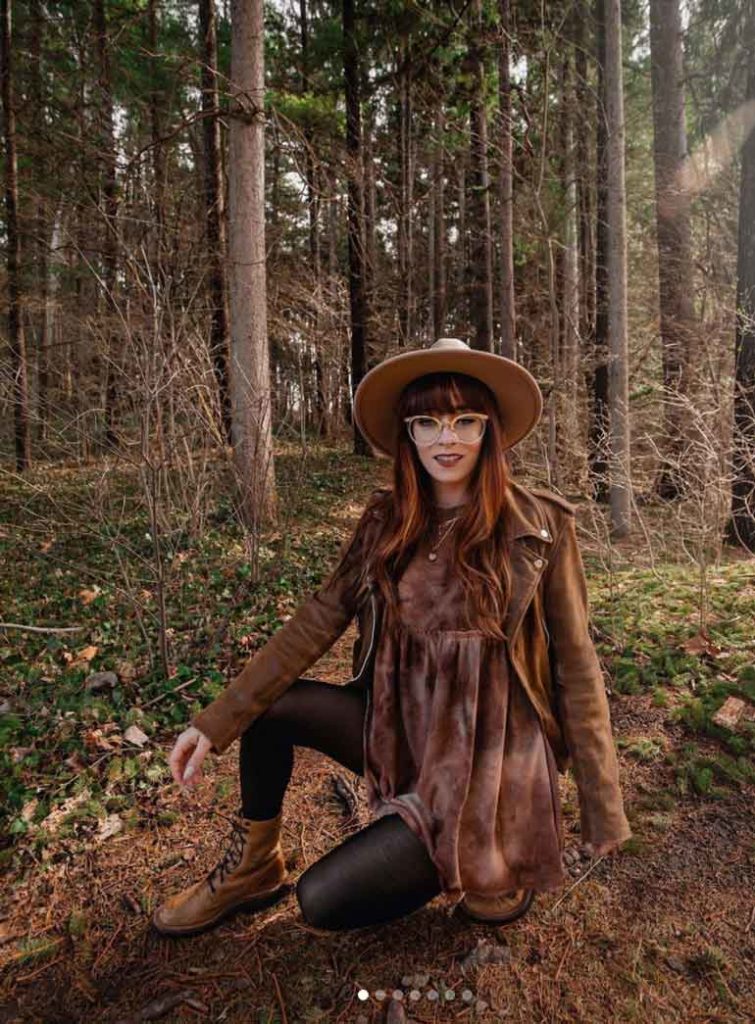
(299, 643)
(581, 696)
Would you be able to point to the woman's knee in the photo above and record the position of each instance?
(281, 712)
(314, 904)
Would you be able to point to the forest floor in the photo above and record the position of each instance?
(663, 930)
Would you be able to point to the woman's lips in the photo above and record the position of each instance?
(447, 460)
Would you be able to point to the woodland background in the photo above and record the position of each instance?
(217, 218)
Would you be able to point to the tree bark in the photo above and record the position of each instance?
(357, 255)
(741, 526)
(109, 213)
(406, 198)
(673, 231)
(480, 265)
(321, 419)
(618, 370)
(567, 380)
(600, 423)
(250, 361)
(214, 201)
(437, 256)
(506, 187)
(13, 259)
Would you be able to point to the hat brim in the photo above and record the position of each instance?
(517, 393)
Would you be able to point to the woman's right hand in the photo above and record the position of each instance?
(189, 751)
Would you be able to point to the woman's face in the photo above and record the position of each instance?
(450, 476)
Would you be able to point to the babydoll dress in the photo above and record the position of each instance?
(453, 745)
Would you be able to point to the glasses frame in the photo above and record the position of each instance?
(452, 424)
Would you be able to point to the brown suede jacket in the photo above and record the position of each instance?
(548, 635)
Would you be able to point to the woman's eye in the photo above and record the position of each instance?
(425, 421)
(465, 420)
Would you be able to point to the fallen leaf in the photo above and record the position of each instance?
(111, 826)
(701, 643)
(135, 735)
(94, 740)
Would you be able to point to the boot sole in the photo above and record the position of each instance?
(251, 905)
(520, 911)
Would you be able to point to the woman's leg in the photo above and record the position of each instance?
(376, 875)
(310, 713)
(379, 873)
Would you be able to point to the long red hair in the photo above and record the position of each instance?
(479, 549)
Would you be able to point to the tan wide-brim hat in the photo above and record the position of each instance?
(519, 398)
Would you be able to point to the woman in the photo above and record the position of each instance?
(479, 681)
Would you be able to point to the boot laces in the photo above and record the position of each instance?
(232, 857)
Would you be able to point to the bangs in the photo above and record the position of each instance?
(445, 392)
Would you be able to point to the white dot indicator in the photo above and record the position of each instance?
(363, 994)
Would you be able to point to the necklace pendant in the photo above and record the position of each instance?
(432, 556)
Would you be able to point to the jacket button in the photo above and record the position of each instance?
(544, 533)
(538, 562)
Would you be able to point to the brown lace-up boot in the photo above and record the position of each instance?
(250, 876)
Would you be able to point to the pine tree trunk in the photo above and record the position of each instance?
(250, 363)
(436, 256)
(567, 381)
(741, 526)
(480, 264)
(214, 198)
(618, 371)
(357, 255)
(600, 424)
(406, 198)
(674, 256)
(13, 249)
(506, 188)
(321, 420)
(109, 211)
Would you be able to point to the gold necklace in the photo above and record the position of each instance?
(433, 553)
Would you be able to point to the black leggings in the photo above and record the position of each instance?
(381, 872)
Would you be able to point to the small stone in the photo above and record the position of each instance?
(676, 964)
(480, 1005)
(415, 994)
(467, 995)
(449, 994)
(380, 993)
(98, 681)
(397, 993)
(420, 980)
(432, 995)
(729, 713)
(407, 981)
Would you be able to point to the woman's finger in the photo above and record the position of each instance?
(179, 756)
(191, 771)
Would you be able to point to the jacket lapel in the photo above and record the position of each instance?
(530, 538)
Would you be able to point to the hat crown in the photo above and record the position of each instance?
(447, 343)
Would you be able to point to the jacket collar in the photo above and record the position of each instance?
(525, 516)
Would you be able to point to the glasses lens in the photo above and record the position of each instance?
(469, 428)
(425, 429)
